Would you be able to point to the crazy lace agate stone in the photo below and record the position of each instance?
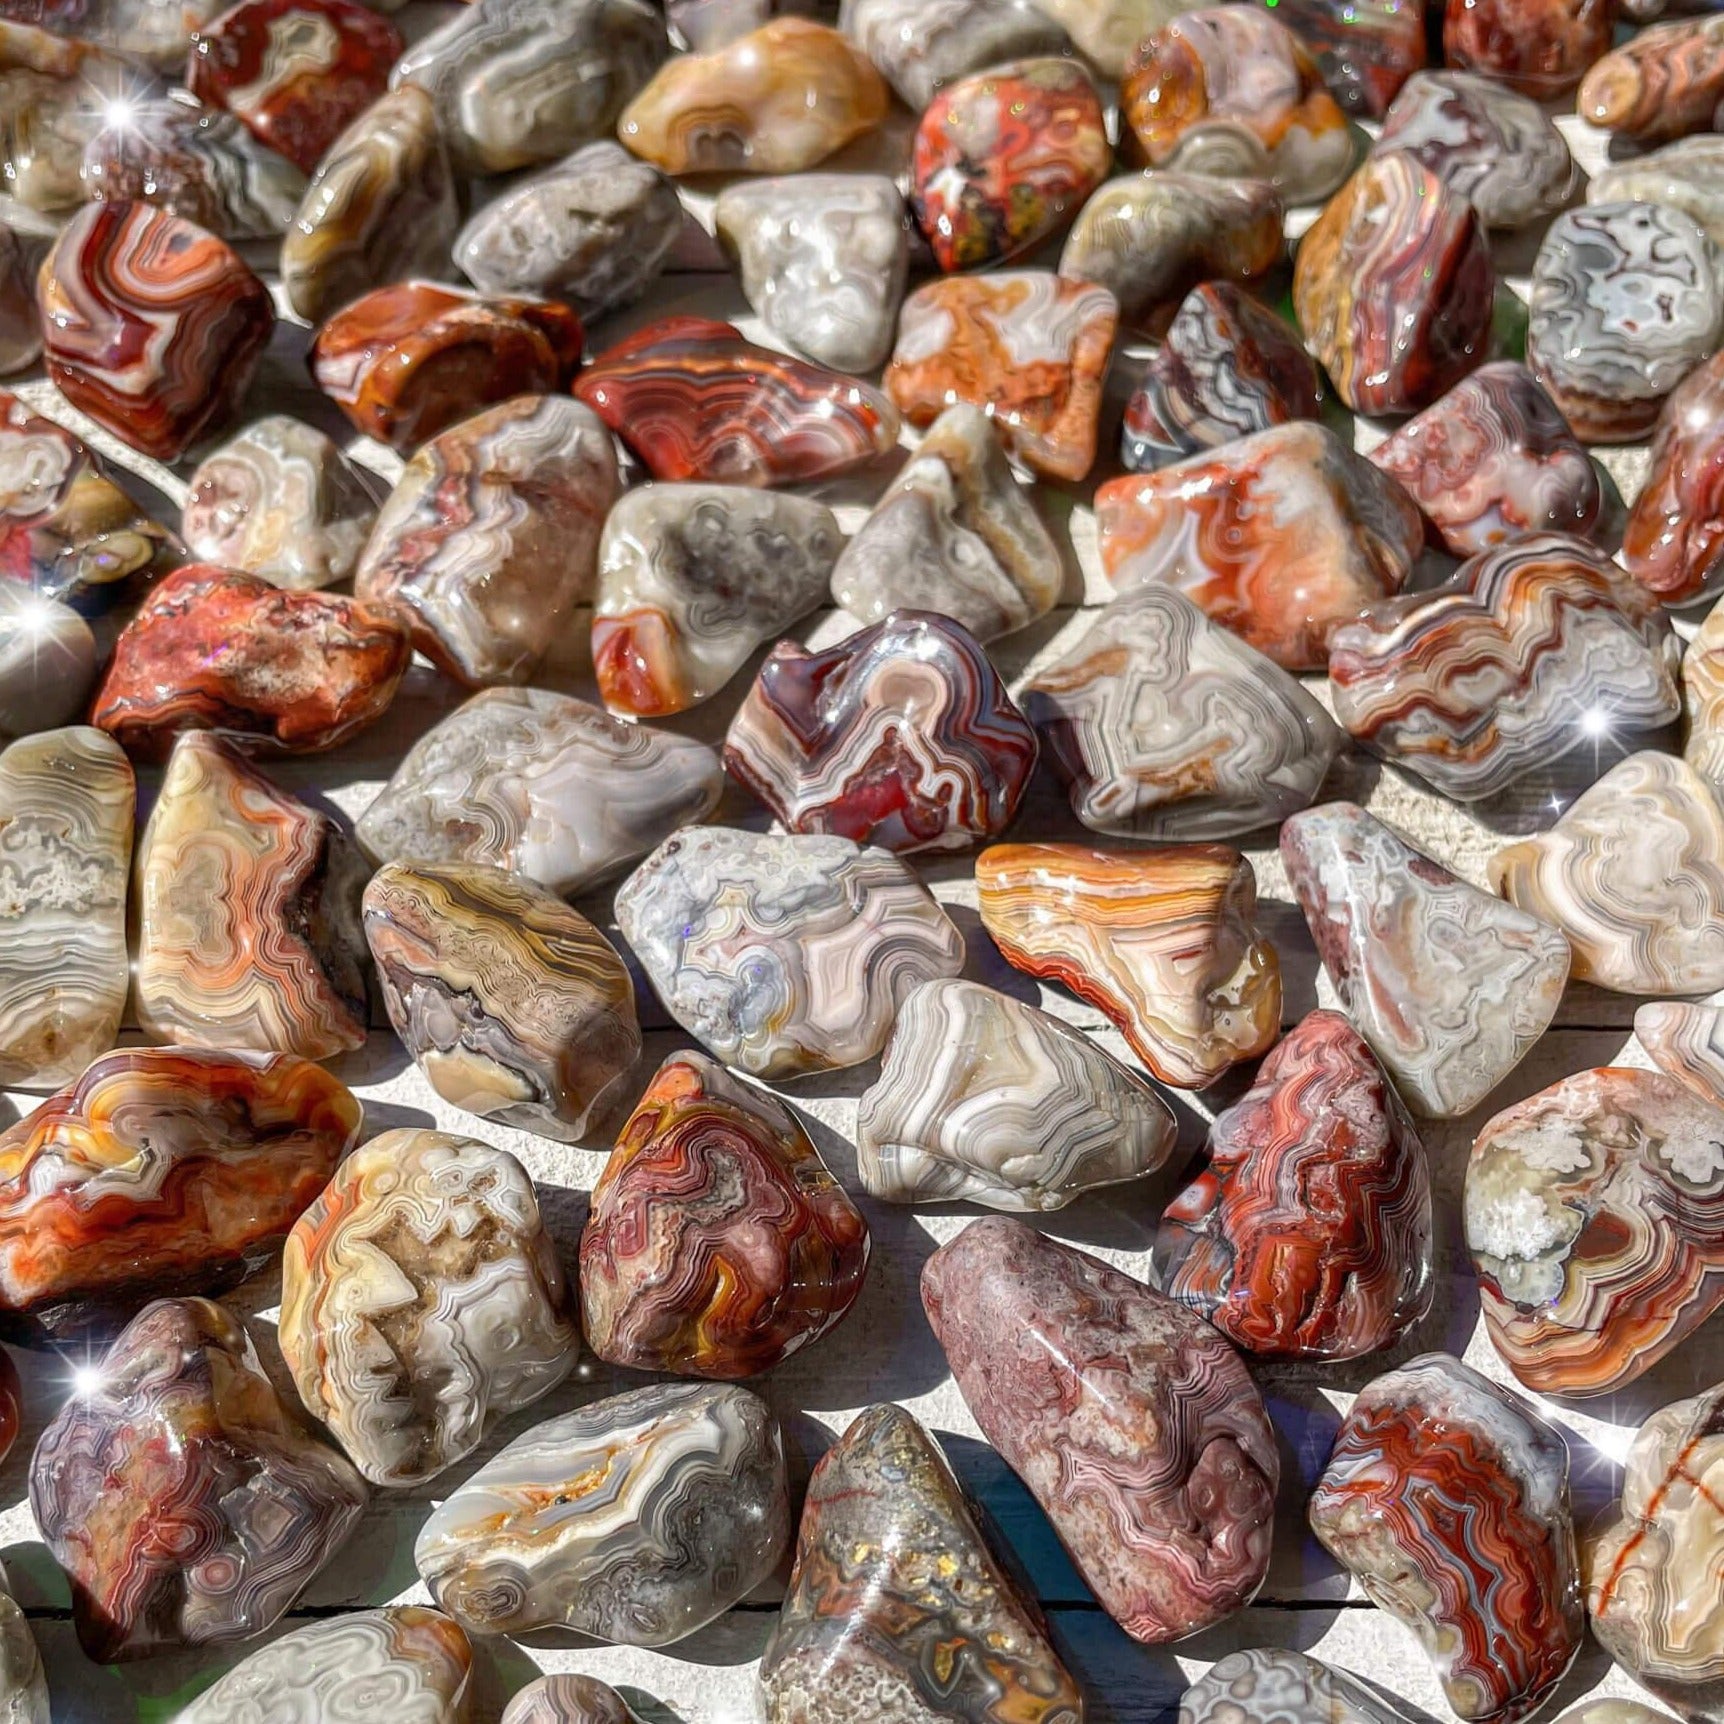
(1450, 986)
(541, 784)
(822, 259)
(692, 579)
(1662, 83)
(1150, 238)
(1162, 724)
(54, 97)
(1108, 30)
(155, 32)
(1673, 544)
(150, 325)
(1273, 1683)
(282, 502)
(1626, 300)
(1540, 48)
(717, 1244)
(983, 1099)
(1227, 368)
(421, 1298)
(66, 801)
(897, 1610)
(1029, 349)
(520, 82)
(187, 1505)
(160, 1170)
(1633, 874)
(1394, 287)
(954, 533)
(418, 1658)
(1493, 461)
(1685, 1041)
(214, 649)
(1034, 1330)
(1493, 1593)
(1703, 700)
(47, 664)
(247, 905)
(783, 953)
(20, 329)
(1164, 941)
(381, 206)
(902, 735)
(693, 400)
(1528, 655)
(515, 1007)
(1230, 91)
(636, 1519)
(490, 538)
(1280, 537)
(1687, 175)
(566, 1699)
(1363, 53)
(919, 46)
(1594, 1212)
(1497, 149)
(1308, 1233)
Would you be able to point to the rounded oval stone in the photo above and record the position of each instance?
(1276, 1685)
(565, 1699)
(1540, 48)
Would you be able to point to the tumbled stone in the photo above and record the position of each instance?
(902, 735)
(1281, 536)
(421, 1298)
(23, 1681)
(1662, 83)
(1685, 1041)
(1626, 300)
(1703, 700)
(156, 32)
(1163, 940)
(692, 579)
(47, 662)
(1394, 288)
(566, 1699)
(1162, 724)
(1492, 1592)
(247, 906)
(1032, 1329)
(1364, 52)
(282, 502)
(1540, 48)
(1450, 986)
(158, 1171)
(1592, 1214)
(983, 1099)
(1687, 175)
(1673, 544)
(1493, 461)
(20, 328)
(1108, 30)
(1633, 874)
(1307, 1235)
(48, 116)
(919, 46)
(822, 259)
(490, 538)
(150, 325)
(381, 206)
(515, 1007)
(717, 1244)
(898, 1611)
(541, 784)
(594, 231)
(1273, 1684)
(1028, 348)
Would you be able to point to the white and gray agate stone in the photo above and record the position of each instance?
(919, 45)
(1276, 1685)
(569, 1699)
(47, 661)
(1687, 175)
(23, 1682)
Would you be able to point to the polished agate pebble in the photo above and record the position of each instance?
(147, 31)
(717, 1244)
(1540, 48)
(1673, 544)
(48, 661)
(421, 1298)
(565, 1699)
(1662, 83)
(920, 46)
(1276, 1685)
(20, 328)
(1703, 700)
(1106, 31)
(1685, 1041)
(1364, 50)
(23, 1681)
(1687, 175)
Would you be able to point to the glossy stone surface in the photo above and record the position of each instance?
(1685, 1041)
(1450, 986)
(822, 259)
(983, 1099)
(1688, 175)
(897, 1610)
(421, 1297)
(1492, 461)
(1528, 655)
(20, 330)
(637, 1519)
(693, 400)
(1491, 1591)
(1364, 53)
(490, 538)
(783, 953)
(1626, 300)
(566, 1699)
(918, 46)
(717, 1244)
(1281, 537)
(902, 735)
(1703, 700)
(1274, 1683)
(53, 94)
(1662, 83)
(23, 1681)
(1107, 30)
(247, 907)
(692, 579)
(516, 1007)
(541, 784)
(1028, 348)
(1088, 1383)
(1594, 1212)
(1393, 287)
(1633, 874)
(1673, 544)
(1539, 47)
(1164, 941)
(150, 325)
(47, 660)
(154, 32)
